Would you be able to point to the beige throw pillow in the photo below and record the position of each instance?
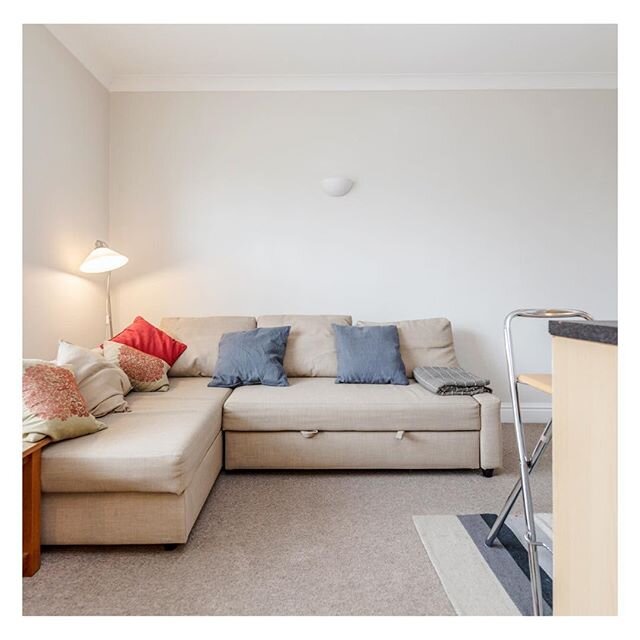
(201, 335)
(145, 372)
(102, 384)
(311, 348)
(423, 343)
(52, 404)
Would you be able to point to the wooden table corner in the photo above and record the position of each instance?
(31, 465)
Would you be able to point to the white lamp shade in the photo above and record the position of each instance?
(103, 259)
(337, 186)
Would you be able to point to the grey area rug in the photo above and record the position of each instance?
(481, 580)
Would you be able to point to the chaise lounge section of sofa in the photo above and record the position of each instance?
(144, 479)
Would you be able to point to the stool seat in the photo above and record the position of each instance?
(539, 381)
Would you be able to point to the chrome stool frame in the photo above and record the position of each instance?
(527, 463)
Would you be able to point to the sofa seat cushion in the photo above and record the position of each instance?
(156, 448)
(319, 403)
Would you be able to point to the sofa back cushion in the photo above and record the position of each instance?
(201, 335)
(311, 349)
(424, 343)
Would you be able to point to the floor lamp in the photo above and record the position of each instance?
(104, 260)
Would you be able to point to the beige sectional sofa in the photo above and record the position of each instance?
(145, 478)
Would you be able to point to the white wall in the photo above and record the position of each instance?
(65, 195)
(466, 205)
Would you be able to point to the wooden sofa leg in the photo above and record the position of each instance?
(170, 547)
(487, 473)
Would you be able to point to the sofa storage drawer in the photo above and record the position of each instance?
(352, 450)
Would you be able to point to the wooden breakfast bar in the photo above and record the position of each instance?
(585, 468)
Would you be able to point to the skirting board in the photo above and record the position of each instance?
(532, 412)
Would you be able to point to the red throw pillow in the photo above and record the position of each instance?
(149, 339)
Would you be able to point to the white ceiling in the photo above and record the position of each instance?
(277, 57)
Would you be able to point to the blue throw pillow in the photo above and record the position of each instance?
(369, 355)
(251, 357)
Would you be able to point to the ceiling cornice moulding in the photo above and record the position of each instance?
(401, 82)
(83, 54)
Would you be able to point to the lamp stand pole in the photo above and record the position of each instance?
(109, 325)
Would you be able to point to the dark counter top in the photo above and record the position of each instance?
(605, 331)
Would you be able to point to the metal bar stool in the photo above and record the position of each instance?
(542, 382)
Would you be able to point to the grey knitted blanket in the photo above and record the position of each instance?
(450, 381)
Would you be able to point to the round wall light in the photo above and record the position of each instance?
(337, 186)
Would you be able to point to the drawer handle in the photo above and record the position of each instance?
(309, 434)
(399, 435)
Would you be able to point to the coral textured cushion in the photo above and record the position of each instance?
(52, 404)
(145, 372)
(144, 337)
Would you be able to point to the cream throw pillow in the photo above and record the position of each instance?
(102, 384)
(145, 372)
(52, 404)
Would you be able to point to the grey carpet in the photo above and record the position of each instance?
(286, 543)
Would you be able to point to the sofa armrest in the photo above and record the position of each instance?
(490, 431)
